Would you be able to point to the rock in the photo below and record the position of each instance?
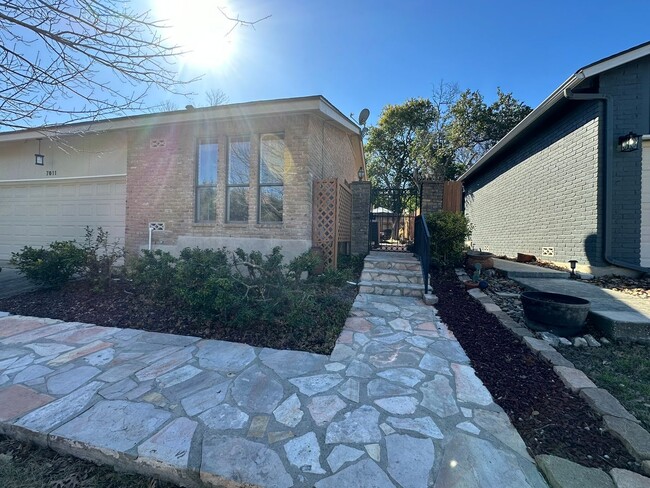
(401, 405)
(257, 391)
(311, 385)
(579, 342)
(384, 388)
(424, 425)
(564, 341)
(627, 479)
(289, 412)
(405, 376)
(605, 341)
(242, 460)
(566, 474)
(468, 387)
(603, 402)
(585, 276)
(468, 427)
(374, 451)
(342, 454)
(591, 341)
(361, 474)
(304, 453)
(472, 462)
(358, 427)
(574, 379)
(170, 447)
(224, 417)
(438, 396)
(410, 460)
(324, 408)
(552, 339)
(634, 437)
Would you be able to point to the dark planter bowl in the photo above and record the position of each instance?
(480, 257)
(563, 315)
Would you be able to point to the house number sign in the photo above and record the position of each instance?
(50, 172)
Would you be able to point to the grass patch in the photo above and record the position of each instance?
(622, 369)
(28, 466)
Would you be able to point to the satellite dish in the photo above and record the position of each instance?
(363, 116)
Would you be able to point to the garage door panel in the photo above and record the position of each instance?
(38, 214)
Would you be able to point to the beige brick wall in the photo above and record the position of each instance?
(161, 186)
(331, 154)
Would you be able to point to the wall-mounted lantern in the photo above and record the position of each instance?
(629, 142)
(39, 159)
(361, 173)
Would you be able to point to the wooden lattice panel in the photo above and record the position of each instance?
(344, 214)
(324, 228)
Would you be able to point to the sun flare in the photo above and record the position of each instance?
(203, 33)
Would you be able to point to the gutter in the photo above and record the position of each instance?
(608, 157)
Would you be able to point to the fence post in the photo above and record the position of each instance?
(432, 196)
(360, 216)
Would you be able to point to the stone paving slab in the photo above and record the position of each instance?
(396, 404)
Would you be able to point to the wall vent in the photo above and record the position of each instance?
(548, 251)
(156, 143)
(156, 225)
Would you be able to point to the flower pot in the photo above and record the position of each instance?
(485, 259)
(563, 315)
(525, 258)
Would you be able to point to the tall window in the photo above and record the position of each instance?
(239, 151)
(206, 182)
(271, 178)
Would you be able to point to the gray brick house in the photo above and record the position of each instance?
(564, 183)
(252, 175)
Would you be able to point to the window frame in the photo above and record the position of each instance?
(198, 186)
(261, 186)
(230, 186)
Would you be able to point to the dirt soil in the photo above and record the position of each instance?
(550, 418)
(122, 307)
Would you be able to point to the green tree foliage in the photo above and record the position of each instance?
(393, 148)
(439, 137)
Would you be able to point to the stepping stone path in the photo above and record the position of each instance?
(397, 404)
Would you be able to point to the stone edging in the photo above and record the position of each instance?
(617, 420)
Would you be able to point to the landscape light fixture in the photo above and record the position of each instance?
(573, 263)
(629, 142)
(39, 159)
(361, 173)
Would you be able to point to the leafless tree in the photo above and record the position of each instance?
(215, 96)
(82, 60)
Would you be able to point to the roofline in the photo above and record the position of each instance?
(316, 104)
(574, 80)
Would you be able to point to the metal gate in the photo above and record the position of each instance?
(392, 218)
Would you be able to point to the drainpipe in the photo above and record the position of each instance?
(608, 158)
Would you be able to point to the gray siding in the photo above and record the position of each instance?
(543, 193)
(629, 87)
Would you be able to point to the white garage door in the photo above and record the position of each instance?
(38, 213)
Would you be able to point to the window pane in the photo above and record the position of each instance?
(239, 162)
(207, 170)
(271, 159)
(271, 198)
(237, 204)
(206, 204)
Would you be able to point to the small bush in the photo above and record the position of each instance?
(153, 273)
(308, 262)
(449, 231)
(52, 267)
(101, 256)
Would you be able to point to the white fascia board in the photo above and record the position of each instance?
(616, 61)
(315, 105)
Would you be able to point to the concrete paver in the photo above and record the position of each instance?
(397, 404)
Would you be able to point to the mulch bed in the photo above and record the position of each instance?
(549, 417)
(121, 306)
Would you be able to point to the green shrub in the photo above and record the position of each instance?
(101, 256)
(449, 231)
(52, 267)
(352, 263)
(308, 262)
(153, 273)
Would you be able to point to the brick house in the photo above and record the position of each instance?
(240, 175)
(564, 183)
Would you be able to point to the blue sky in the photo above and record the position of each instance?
(371, 53)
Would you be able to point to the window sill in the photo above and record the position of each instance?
(204, 224)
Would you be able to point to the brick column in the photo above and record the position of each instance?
(432, 195)
(360, 216)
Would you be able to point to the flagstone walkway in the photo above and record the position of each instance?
(396, 404)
